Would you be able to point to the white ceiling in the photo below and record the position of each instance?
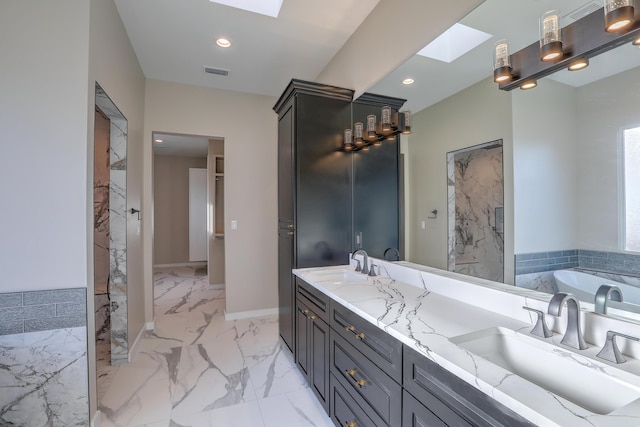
(180, 145)
(175, 39)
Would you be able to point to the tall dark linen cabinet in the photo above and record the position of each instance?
(323, 191)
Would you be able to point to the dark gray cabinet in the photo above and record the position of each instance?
(314, 187)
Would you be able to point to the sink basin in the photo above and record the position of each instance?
(575, 378)
(338, 276)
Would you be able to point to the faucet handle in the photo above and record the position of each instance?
(358, 267)
(372, 270)
(540, 329)
(610, 349)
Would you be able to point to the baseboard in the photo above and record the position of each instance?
(95, 421)
(135, 348)
(150, 326)
(217, 287)
(248, 314)
(182, 264)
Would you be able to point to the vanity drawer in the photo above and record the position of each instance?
(345, 412)
(451, 398)
(381, 348)
(365, 382)
(313, 298)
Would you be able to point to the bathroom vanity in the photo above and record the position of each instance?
(417, 346)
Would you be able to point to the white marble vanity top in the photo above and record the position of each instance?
(424, 308)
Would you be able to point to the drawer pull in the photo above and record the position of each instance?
(351, 424)
(313, 317)
(352, 373)
(358, 335)
(305, 312)
(290, 226)
(290, 233)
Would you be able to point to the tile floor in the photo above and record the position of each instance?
(196, 369)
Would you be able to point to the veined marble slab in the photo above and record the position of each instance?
(424, 307)
(43, 378)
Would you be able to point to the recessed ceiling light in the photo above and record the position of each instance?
(263, 7)
(453, 43)
(159, 141)
(408, 81)
(223, 42)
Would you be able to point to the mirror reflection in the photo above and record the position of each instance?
(571, 161)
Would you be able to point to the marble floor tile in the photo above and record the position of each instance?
(198, 369)
(294, 409)
(244, 414)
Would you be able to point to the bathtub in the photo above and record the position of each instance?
(584, 286)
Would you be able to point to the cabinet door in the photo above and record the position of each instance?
(286, 291)
(319, 364)
(302, 338)
(414, 414)
(286, 160)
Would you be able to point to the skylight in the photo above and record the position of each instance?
(263, 7)
(454, 43)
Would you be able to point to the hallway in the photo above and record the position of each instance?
(196, 369)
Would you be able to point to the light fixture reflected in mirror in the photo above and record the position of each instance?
(550, 37)
(618, 15)
(578, 64)
(501, 62)
(529, 84)
(376, 132)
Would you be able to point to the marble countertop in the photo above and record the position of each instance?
(425, 320)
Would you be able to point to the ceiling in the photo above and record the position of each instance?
(175, 39)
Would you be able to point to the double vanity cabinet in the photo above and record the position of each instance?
(363, 376)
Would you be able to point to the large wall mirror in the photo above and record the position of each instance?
(565, 204)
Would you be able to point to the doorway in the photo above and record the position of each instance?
(188, 200)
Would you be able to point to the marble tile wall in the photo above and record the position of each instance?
(117, 226)
(475, 196)
(43, 378)
(42, 310)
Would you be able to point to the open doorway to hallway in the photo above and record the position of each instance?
(188, 200)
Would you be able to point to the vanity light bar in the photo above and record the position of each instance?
(387, 129)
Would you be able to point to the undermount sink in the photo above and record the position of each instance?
(337, 276)
(552, 368)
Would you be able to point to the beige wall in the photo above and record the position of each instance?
(544, 135)
(171, 207)
(47, 197)
(113, 64)
(604, 109)
(478, 114)
(249, 128)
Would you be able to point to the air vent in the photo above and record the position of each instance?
(216, 71)
(581, 12)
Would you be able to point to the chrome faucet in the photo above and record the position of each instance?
(393, 251)
(604, 293)
(365, 259)
(573, 335)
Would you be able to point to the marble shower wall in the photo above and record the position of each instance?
(475, 210)
(117, 226)
(101, 168)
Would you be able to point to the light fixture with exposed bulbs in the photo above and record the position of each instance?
(618, 15)
(362, 136)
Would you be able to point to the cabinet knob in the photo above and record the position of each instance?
(305, 312)
(360, 336)
(361, 383)
(290, 226)
(351, 424)
(290, 233)
(350, 328)
(313, 317)
(351, 372)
